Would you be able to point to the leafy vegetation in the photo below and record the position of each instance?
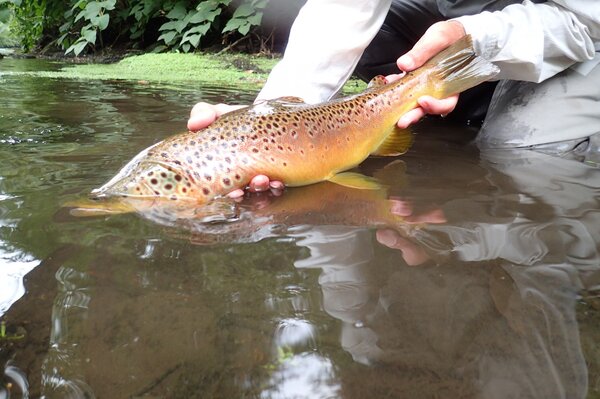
(79, 26)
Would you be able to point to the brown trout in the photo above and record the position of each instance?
(294, 142)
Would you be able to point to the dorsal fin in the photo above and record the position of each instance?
(288, 100)
(397, 143)
(377, 81)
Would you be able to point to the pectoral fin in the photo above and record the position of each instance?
(397, 143)
(356, 180)
(95, 208)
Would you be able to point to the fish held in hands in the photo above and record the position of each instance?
(294, 142)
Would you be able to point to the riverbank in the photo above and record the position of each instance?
(247, 72)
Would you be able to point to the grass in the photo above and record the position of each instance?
(238, 70)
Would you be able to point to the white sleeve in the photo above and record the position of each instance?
(326, 41)
(533, 42)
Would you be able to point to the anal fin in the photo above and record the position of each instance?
(397, 143)
(356, 180)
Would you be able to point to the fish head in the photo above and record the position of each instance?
(146, 176)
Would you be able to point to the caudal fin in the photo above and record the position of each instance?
(458, 68)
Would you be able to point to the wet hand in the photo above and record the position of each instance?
(201, 116)
(438, 37)
(259, 184)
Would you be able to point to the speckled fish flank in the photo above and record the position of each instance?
(291, 141)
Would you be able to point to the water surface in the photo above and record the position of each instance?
(490, 289)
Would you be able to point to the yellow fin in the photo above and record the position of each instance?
(356, 180)
(397, 143)
(377, 81)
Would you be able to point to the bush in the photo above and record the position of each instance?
(84, 25)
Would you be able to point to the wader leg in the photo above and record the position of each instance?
(560, 115)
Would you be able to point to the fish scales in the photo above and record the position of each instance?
(289, 140)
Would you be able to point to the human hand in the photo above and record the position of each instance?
(438, 37)
(412, 253)
(201, 116)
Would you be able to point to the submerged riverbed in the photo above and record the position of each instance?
(490, 289)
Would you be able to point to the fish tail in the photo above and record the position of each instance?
(458, 68)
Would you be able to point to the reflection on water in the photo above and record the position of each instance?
(487, 286)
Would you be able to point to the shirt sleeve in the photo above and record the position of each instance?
(326, 41)
(533, 42)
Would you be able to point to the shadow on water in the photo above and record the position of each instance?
(487, 286)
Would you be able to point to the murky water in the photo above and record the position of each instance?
(490, 291)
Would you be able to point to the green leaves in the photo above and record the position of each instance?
(85, 25)
(94, 16)
(246, 16)
(186, 28)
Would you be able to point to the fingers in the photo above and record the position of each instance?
(434, 106)
(259, 184)
(412, 116)
(438, 37)
(203, 114)
(394, 77)
(412, 254)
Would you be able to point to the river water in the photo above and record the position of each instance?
(486, 288)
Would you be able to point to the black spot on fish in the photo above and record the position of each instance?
(178, 177)
(168, 186)
(154, 181)
(163, 175)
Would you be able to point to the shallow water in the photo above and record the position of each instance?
(492, 290)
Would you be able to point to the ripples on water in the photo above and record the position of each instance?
(492, 290)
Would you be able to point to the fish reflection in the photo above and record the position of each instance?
(262, 216)
(486, 304)
(491, 311)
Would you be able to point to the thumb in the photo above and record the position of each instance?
(438, 37)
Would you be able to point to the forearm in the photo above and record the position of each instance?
(326, 41)
(533, 42)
